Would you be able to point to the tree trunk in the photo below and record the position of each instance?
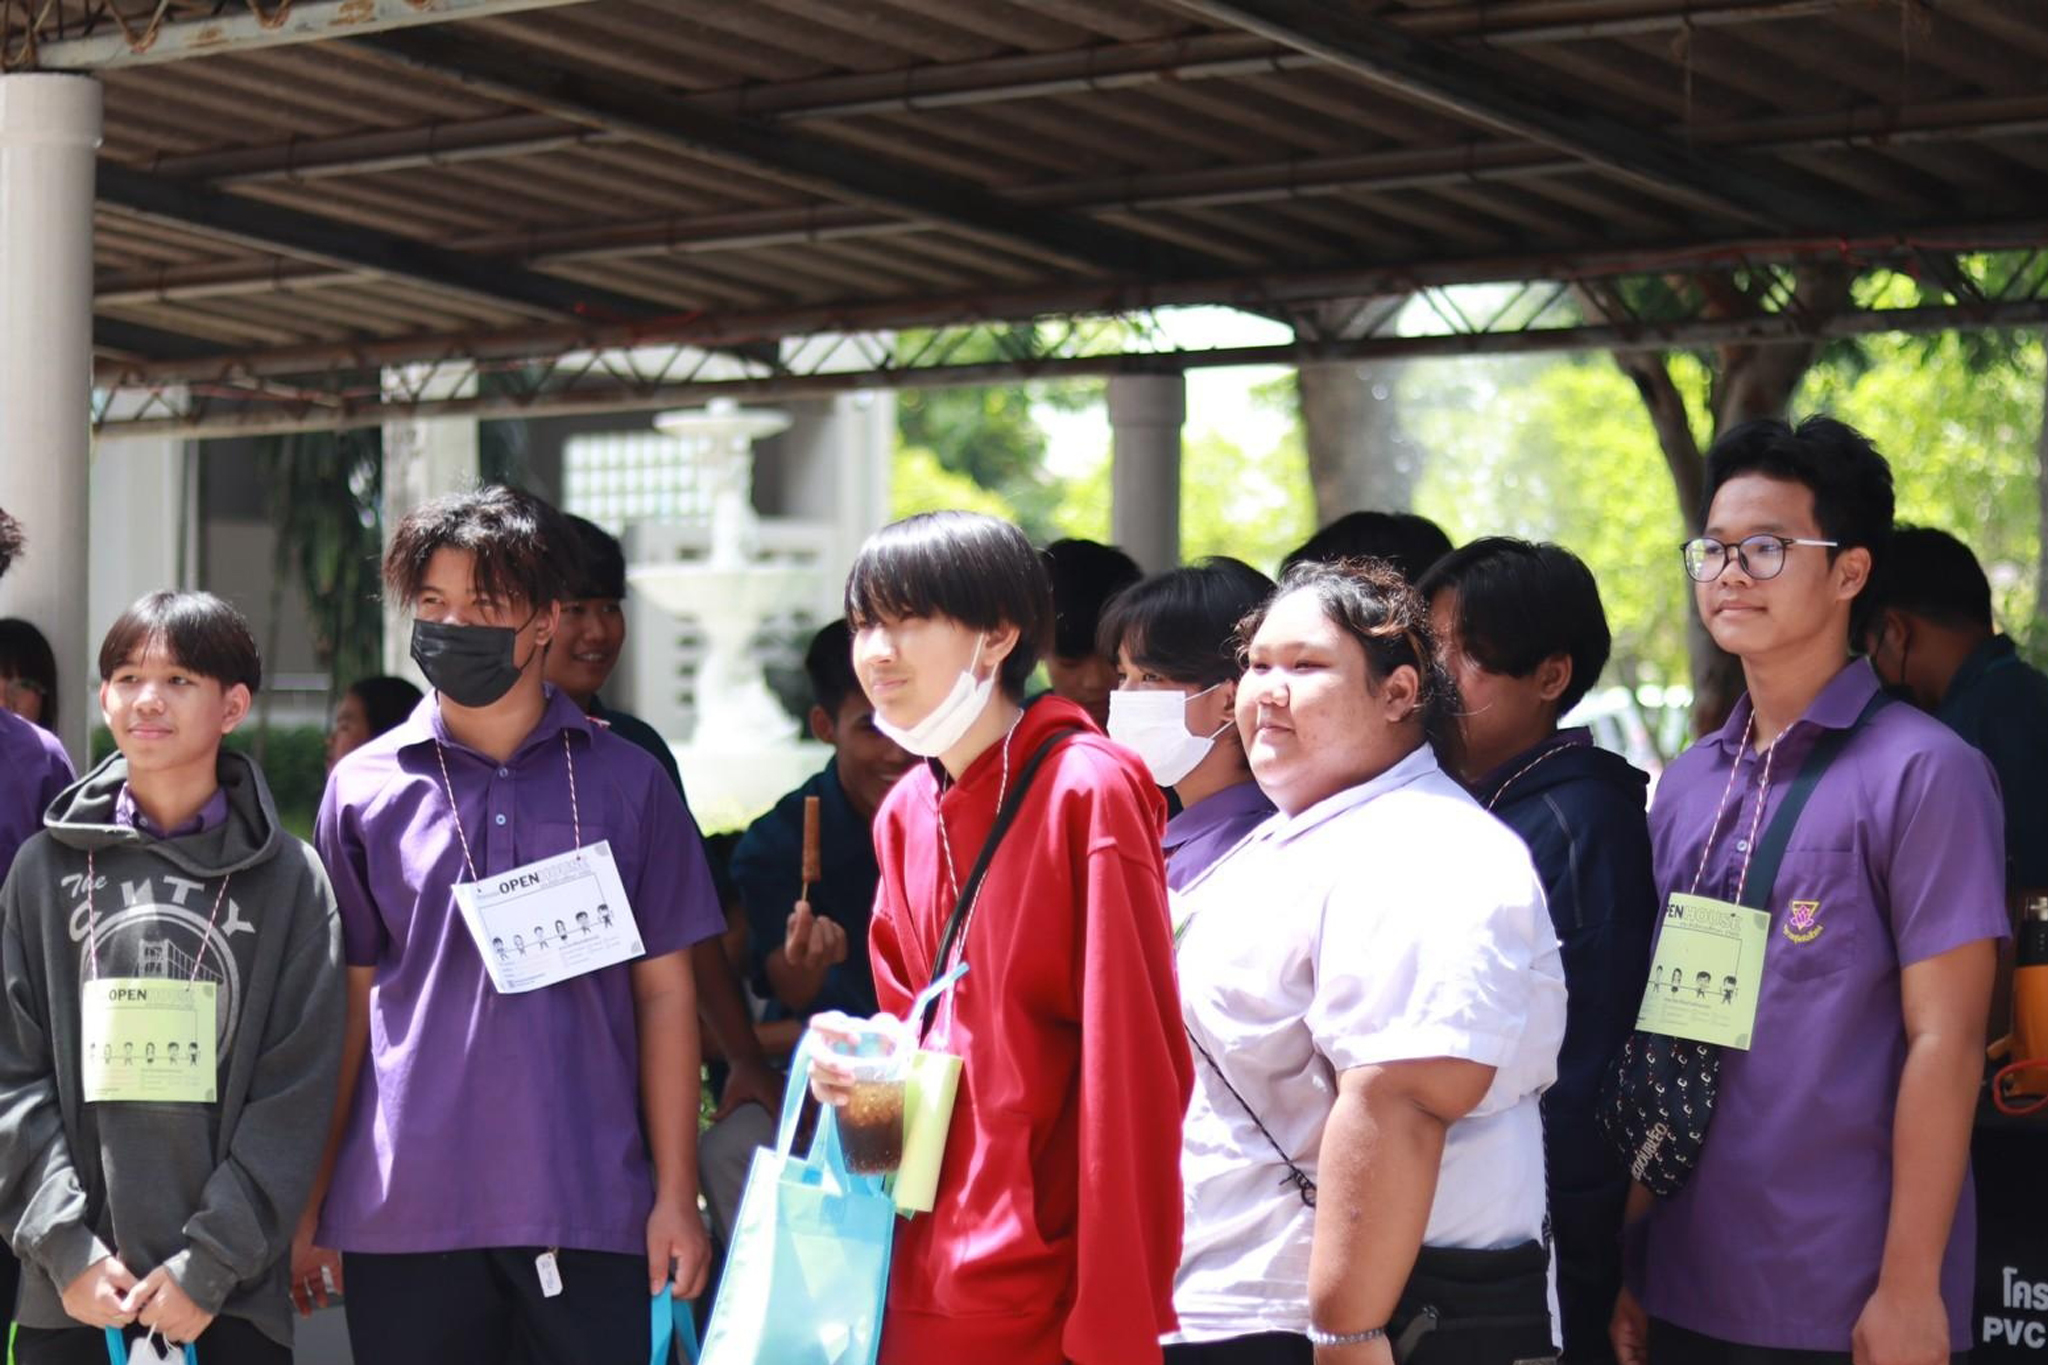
(1359, 457)
(2037, 633)
(1750, 380)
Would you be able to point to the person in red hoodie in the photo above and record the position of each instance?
(1056, 1229)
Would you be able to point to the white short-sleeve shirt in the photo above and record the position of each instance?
(1394, 921)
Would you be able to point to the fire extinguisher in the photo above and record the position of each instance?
(2021, 1086)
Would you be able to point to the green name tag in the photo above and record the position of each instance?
(146, 1038)
(1709, 965)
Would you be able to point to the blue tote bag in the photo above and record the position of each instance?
(669, 1323)
(808, 1269)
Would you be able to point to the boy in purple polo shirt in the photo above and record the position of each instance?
(1830, 1215)
(514, 1171)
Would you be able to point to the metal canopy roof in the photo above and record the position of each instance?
(328, 187)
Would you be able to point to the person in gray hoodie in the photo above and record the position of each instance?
(163, 903)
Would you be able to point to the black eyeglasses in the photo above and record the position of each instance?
(1761, 556)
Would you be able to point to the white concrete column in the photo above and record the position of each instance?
(1146, 412)
(424, 457)
(139, 532)
(49, 129)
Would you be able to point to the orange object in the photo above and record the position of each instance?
(2027, 1045)
(814, 859)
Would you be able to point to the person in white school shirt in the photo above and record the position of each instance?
(1376, 998)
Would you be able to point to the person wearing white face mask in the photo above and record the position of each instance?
(1056, 1226)
(1174, 639)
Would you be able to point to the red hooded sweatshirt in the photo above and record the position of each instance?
(1056, 1230)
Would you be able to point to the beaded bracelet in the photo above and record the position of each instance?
(1318, 1337)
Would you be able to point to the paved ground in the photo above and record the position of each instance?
(323, 1339)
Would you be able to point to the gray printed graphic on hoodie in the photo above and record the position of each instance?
(212, 1192)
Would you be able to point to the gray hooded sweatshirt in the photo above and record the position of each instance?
(211, 1192)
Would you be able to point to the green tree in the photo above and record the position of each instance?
(1959, 417)
(920, 483)
(1558, 450)
(324, 489)
(1251, 506)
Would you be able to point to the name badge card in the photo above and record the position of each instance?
(147, 1038)
(551, 920)
(1708, 968)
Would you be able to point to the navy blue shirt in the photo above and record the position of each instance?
(1581, 810)
(768, 869)
(636, 731)
(1999, 703)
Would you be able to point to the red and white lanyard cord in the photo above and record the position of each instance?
(447, 787)
(1546, 755)
(1763, 793)
(92, 921)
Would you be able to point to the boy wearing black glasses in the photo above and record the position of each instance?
(1830, 1215)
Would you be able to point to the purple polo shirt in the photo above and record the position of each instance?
(35, 769)
(480, 1119)
(1210, 828)
(1898, 857)
(208, 816)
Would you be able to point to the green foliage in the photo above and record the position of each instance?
(1561, 450)
(1960, 421)
(920, 483)
(295, 765)
(324, 493)
(1254, 507)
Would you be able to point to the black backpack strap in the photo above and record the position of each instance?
(1770, 852)
(1006, 815)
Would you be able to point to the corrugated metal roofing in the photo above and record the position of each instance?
(1220, 150)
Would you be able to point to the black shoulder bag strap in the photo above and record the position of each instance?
(1763, 864)
(1006, 815)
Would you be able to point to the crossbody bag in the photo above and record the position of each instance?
(1659, 1100)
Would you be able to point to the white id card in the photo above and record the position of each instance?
(551, 920)
(147, 1038)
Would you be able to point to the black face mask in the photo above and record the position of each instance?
(470, 665)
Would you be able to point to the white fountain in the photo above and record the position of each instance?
(743, 753)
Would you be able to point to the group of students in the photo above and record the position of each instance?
(1303, 957)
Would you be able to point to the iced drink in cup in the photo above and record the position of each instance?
(874, 1055)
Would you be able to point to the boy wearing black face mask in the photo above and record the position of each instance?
(499, 804)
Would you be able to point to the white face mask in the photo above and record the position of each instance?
(952, 718)
(1154, 725)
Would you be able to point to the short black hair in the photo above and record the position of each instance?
(12, 540)
(1408, 541)
(1929, 573)
(522, 547)
(1085, 574)
(971, 568)
(1369, 600)
(1182, 624)
(26, 654)
(199, 631)
(1851, 482)
(1519, 604)
(828, 663)
(600, 569)
(386, 701)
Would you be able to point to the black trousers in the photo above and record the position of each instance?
(229, 1341)
(486, 1307)
(1266, 1348)
(1671, 1345)
(10, 1283)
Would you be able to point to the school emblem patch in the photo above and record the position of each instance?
(1803, 924)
